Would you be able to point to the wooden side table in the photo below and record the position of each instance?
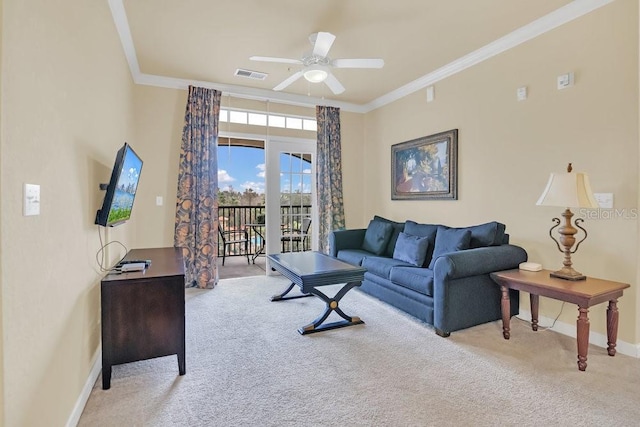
(583, 293)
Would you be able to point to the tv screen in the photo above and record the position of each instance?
(121, 190)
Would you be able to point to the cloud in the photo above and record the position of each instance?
(258, 187)
(224, 178)
(261, 167)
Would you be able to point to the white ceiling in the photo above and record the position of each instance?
(174, 43)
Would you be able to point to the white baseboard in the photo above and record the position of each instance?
(595, 338)
(74, 418)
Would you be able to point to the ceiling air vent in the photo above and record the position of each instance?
(256, 75)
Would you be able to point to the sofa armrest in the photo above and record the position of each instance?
(473, 262)
(345, 239)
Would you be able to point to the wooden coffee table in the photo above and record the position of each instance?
(311, 270)
(583, 293)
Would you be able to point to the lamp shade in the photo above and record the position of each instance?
(315, 73)
(568, 190)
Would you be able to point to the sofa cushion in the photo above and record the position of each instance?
(450, 240)
(488, 234)
(352, 256)
(397, 228)
(423, 230)
(414, 278)
(411, 249)
(381, 266)
(377, 237)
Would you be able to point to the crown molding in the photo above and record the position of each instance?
(561, 16)
(122, 26)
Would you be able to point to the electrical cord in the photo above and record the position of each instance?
(544, 328)
(100, 254)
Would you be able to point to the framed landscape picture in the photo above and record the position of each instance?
(425, 168)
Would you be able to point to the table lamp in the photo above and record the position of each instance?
(568, 190)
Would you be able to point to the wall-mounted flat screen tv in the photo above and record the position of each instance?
(121, 190)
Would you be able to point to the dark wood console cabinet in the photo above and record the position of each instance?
(143, 312)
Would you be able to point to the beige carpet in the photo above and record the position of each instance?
(248, 366)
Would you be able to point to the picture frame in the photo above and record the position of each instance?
(426, 168)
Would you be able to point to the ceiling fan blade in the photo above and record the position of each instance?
(358, 63)
(333, 83)
(271, 59)
(292, 78)
(322, 44)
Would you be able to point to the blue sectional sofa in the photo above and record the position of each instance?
(436, 273)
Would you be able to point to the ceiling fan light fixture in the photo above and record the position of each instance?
(315, 73)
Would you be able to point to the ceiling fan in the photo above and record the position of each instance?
(317, 65)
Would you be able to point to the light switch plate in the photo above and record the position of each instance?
(430, 94)
(31, 200)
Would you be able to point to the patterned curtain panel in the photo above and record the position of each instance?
(197, 204)
(329, 175)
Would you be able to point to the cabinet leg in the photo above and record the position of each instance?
(106, 377)
(182, 368)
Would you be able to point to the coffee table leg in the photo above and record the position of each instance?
(583, 337)
(282, 296)
(331, 305)
(506, 312)
(612, 327)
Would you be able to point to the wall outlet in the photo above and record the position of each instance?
(31, 204)
(565, 81)
(605, 200)
(159, 201)
(521, 93)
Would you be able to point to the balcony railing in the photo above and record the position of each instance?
(237, 218)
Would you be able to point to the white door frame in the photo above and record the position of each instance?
(275, 146)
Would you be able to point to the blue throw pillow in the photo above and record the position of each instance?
(450, 240)
(423, 230)
(377, 236)
(411, 249)
(397, 228)
(489, 234)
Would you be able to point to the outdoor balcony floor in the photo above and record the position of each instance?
(236, 266)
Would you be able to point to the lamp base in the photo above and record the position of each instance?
(568, 274)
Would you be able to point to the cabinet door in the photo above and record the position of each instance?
(146, 318)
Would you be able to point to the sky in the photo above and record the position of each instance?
(244, 167)
(241, 168)
(130, 170)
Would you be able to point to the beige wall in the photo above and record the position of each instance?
(1, 275)
(66, 107)
(638, 167)
(508, 148)
(354, 147)
(72, 105)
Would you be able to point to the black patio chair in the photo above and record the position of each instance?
(234, 237)
(296, 235)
